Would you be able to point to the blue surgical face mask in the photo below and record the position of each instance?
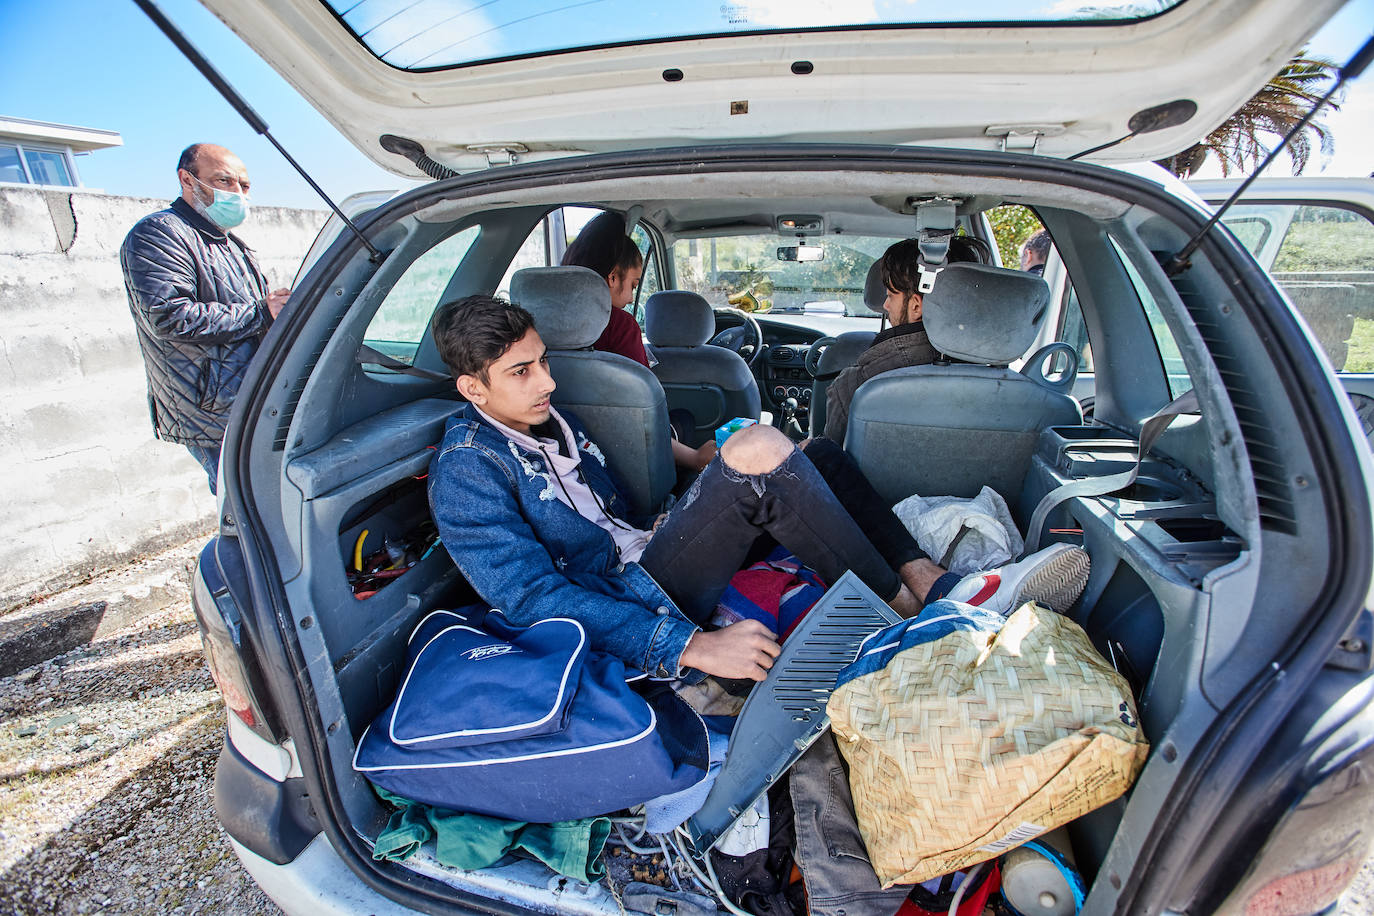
(228, 210)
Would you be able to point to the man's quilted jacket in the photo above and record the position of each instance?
(199, 306)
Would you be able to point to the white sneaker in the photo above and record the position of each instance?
(1053, 577)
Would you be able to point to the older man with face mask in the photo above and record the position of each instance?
(199, 301)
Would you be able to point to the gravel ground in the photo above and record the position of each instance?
(107, 759)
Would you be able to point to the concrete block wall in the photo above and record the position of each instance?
(86, 485)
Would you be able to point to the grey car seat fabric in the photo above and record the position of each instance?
(712, 383)
(618, 400)
(948, 430)
(844, 351)
(839, 354)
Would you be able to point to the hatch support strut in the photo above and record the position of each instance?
(245, 111)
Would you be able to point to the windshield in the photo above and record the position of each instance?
(431, 34)
(744, 271)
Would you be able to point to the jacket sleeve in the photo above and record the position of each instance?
(481, 525)
(837, 398)
(160, 272)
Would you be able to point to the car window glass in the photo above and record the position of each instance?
(1012, 225)
(652, 281)
(534, 252)
(1074, 331)
(1179, 380)
(404, 315)
(746, 272)
(1323, 257)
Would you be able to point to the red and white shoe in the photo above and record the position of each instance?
(1053, 578)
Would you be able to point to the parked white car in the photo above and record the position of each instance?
(1230, 585)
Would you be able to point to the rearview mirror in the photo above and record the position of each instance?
(801, 253)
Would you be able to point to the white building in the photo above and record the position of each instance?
(44, 154)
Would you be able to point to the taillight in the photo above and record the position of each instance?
(228, 653)
(1319, 845)
(231, 681)
(1303, 892)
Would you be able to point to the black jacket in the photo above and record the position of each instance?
(199, 306)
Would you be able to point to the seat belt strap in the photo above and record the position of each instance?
(372, 355)
(1150, 431)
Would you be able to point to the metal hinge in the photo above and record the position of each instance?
(1023, 136)
(499, 153)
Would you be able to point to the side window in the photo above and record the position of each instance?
(404, 315)
(1323, 257)
(534, 252)
(652, 280)
(1179, 379)
(1013, 227)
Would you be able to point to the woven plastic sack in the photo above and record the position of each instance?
(967, 734)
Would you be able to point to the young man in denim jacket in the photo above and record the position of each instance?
(529, 512)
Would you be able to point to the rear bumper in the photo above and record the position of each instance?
(317, 883)
(273, 819)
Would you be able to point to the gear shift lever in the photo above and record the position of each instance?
(790, 426)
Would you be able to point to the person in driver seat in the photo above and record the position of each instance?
(904, 343)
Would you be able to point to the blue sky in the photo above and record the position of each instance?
(101, 63)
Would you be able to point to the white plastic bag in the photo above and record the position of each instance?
(985, 533)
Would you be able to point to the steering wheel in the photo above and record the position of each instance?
(745, 340)
(813, 356)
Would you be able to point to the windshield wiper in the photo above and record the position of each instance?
(1180, 261)
(245, 111)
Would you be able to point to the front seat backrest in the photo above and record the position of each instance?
(844, 351)
(713, 384)
(618, 400)
(950, 429)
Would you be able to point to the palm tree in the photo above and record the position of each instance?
(1280, 104)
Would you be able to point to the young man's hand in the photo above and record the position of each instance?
(742, 650)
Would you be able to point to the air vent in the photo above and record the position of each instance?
(784, 354)
(1267, 460)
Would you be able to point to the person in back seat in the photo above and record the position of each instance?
(905, 343)
(603, 246)
(531, 515)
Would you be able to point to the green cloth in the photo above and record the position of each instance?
(472, 841)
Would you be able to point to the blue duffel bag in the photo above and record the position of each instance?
(528, 724)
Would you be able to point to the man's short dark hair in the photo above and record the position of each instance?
(188, 158)
(901, 262)
(475, 331)
(1039, 244)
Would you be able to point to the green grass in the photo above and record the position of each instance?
(1360, 355)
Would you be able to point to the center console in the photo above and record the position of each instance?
(784, 375)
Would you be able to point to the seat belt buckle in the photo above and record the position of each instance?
(927, 278)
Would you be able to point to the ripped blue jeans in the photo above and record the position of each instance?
(708, 535)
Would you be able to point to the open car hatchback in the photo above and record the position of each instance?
(766, 154)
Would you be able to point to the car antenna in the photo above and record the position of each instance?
(245, 110)
(1180, 261)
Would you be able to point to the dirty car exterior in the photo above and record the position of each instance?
(1234, 595)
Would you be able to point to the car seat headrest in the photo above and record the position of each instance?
(570, 305)
(875, 291)
(986, 315)
(678, 318)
